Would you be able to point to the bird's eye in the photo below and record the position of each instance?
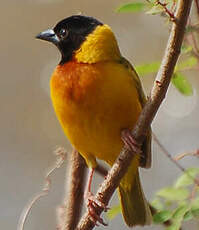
(63, 33)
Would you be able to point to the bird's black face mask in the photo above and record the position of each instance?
(69, 34)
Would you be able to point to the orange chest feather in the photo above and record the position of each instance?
(93, 103)
(73, 81)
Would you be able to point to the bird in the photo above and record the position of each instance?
(97, 97)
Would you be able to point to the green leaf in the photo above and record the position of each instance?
(147, 68)
(157, 204)
(131, 7)
(179, 213)
(113, 212)
(177, 217)
(187, 178)
(182, 84)
(162, 216)
(187, 64)
(188, 216)
(170, 193)
(195, 212)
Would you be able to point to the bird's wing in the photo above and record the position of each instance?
(145, 161)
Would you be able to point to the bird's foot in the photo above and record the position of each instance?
(129, 141)
(92, 203)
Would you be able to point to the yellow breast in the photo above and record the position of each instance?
(93, 103)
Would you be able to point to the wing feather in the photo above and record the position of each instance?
(145, 161)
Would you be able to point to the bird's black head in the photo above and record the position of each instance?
(69, 34)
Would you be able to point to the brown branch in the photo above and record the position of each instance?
(74, 196)
(167, 11)
(103, 172)
(159, 90)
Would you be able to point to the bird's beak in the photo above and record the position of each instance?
(48, 35)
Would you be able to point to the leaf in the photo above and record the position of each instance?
(177, 217)
(131, 7)
(147, 68)
(195, 212)
(188, 216)
(188, 63)
(157, 204)
(171, 193)
(187, 178)
(162, 216)
(113, 212)
(179, 213)
(182, 84)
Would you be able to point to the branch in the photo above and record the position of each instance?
(74, 196)
(159, 90)
(197, 7)
(175, 160)
(167, 11)
(182, 155)
(163, 149)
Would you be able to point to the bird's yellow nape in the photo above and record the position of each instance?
(100, 45)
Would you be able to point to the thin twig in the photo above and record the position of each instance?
(194, 190)
(196, 181)
(168, 154)
(194, 42)
(158, 93)
(197, 7)
(74, 195)
(193, 52)
(61, 155)
(167, 11)
(182, 155)
(195, 46)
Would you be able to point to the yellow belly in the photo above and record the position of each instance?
(93, 104)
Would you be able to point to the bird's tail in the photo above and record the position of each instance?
(135, 208)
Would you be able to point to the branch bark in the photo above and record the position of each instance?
(74, 197)
(158, 93)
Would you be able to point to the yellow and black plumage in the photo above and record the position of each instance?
(96, 94)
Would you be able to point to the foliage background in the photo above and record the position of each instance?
(29, 130)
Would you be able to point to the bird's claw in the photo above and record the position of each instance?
(91, 204)
(129, 142)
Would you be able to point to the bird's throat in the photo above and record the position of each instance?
(100, 45)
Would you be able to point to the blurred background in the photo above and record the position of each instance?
(29, 130)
